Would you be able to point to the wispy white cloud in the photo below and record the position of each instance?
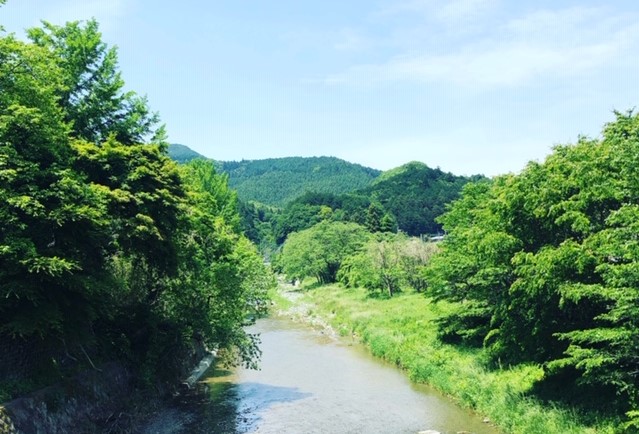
(563, 43)
(447, 11)
(510, 64)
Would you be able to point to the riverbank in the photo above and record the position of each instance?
(107, 398)
(402, 331)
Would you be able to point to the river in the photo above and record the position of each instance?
(313, 383)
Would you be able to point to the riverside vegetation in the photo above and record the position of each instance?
(536, 288)
(108, 249)
(403, 331)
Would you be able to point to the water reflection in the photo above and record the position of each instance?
(226, 406)
(309, 383)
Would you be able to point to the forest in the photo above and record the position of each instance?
(544, 266)
(108, 249)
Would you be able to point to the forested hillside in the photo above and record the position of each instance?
(108, 249)
(410, 196)
(182, 153)
(416, 194)
(277, 181)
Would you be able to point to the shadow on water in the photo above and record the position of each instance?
(224, 406)
(309, 385)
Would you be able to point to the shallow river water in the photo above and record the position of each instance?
(312, 383)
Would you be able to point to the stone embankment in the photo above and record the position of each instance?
(78, 404)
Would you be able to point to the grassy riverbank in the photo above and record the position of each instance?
(402, 331)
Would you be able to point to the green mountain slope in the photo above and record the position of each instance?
(416, 194)
(277, 181)
(182, 153)
(413, 193)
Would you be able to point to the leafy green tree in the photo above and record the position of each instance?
(543, 265)
(92, 92)
(104, 242)
(374, 216)
(54, 225)
(143, 191)
(222, 277)
(388, 223)
(388, 263)
(386, 257)
(319, 251)
(415, 255)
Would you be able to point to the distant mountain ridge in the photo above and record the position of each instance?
(414, 193)
(183, 154)
(277, 181)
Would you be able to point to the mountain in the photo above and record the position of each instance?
(182, 153)
(277, 181)
(416, 194)
(413, 193)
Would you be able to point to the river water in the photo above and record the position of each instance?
(313, 383)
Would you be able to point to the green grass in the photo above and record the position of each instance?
(402, 331)
(283, 303)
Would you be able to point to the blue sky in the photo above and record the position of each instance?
(471, 86)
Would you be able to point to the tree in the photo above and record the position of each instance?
(388, 223)
(415, 255)
(387, 263)
(221, 279)
(106, 244)
(54, 224)
(92, 92)
(544, 265)
(386, 257)
(374, 216)
(319, 251)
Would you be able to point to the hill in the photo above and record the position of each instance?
(182, 153)
(410, 197)
(416, 194)
(413, 193)
(277, 181)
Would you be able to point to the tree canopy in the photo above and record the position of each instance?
(545, 264)
(320, 250)
(105, 243)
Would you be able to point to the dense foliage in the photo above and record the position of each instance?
(331, 251)
(277, 181)
(545, 265)
(388, 263)
(416, 195)
(320, 250)
(105, 244)
(311, 208)
(285, 195)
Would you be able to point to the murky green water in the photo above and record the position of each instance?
(310, 383)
